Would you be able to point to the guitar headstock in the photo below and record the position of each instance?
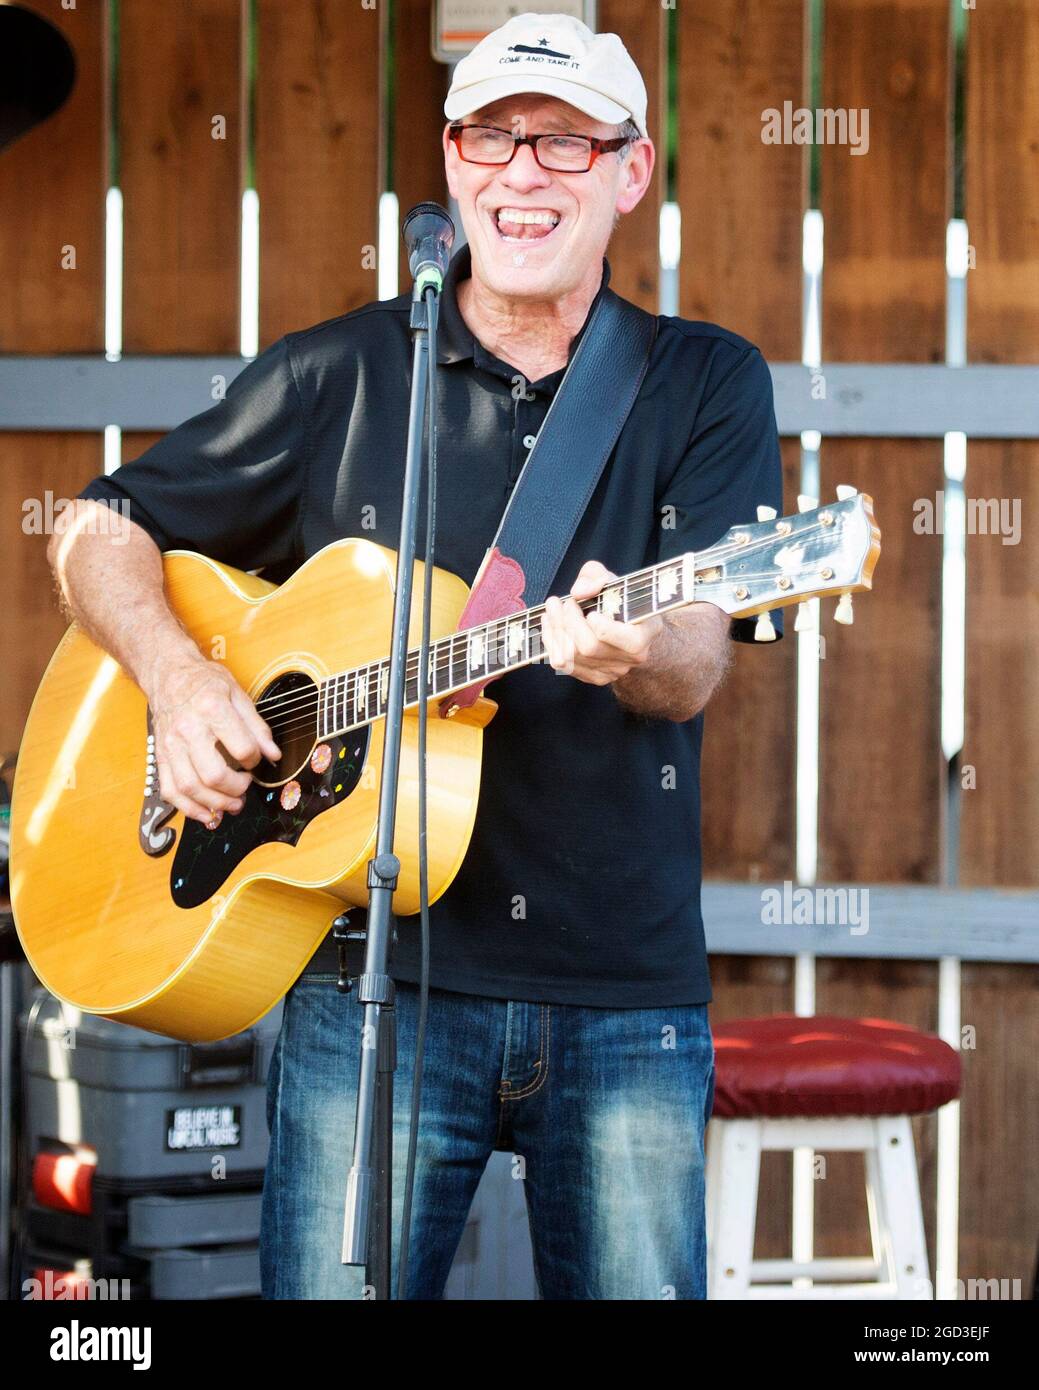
(778, 561)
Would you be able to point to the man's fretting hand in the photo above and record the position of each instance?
(665, 667)
(594, 648)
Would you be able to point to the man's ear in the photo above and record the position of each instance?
(637, 175)
(450, 160)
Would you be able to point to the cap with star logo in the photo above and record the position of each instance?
(558, 56)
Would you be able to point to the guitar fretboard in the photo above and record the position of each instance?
(476, 654)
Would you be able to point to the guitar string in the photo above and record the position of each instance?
(301, 699)
(302, 715)
(309, 702)
(311, 698)
(638, 591)
(305, 700)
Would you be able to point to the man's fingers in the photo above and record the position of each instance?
(626, 637)
(177, 775)
(595, 648)
(590, 579)
(215, 772)
(256, 725)
(597, 636)
(565, 655)
(237, 737)
(169, 792)
(559, 647)
(208, 735)
(192, 786)
(549, 630)
(577, 629)
(194, 735)
(553, 638)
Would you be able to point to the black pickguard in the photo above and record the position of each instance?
(205, 858)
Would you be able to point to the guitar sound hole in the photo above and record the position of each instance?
(289, 705)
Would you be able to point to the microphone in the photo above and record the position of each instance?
(429, 235)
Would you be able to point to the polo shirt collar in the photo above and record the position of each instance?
(455, 341)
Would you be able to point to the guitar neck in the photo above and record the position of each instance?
(754, 568)
(477, 654)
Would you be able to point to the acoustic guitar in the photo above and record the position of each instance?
(128, 909)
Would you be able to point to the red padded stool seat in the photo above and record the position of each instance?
(825, 1065)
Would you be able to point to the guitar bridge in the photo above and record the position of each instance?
(155, 812)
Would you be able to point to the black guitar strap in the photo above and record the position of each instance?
(582, 426)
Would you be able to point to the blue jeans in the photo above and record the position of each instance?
(604, 1108)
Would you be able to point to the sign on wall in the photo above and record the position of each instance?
(459, 25)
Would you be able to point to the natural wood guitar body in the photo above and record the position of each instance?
(96, 913)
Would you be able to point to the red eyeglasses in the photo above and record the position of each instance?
(565, 154)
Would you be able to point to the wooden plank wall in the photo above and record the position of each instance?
(999, 1207)
(318, 158)
(52, 183)
(181, 138)
(417, 116)
(181, 144)
(741, 267)
(884, 301)
(634, 250)
(880, 775)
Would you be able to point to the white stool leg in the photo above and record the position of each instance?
(900, 1209)
(733, 1164)
(880, 1245)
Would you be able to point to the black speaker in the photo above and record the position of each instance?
(37, 71)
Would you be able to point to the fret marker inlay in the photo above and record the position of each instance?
(667, 584)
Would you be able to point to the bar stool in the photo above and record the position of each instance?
(821, 1083)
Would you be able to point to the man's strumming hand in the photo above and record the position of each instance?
(197, 705)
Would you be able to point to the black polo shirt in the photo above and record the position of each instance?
(582, 880)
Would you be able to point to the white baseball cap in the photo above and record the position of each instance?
(558, 56)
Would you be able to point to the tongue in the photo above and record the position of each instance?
(530, 231)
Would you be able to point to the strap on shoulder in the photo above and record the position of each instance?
(578, 436)
(550, 496)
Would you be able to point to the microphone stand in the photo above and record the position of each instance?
(367, 1224)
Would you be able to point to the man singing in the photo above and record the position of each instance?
(568, 1015)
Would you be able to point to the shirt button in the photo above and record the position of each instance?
(529, 440)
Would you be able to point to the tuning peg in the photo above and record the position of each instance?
(845, 490)
(843, 613)
(806, 503)
(763, 629)
(805, 620)
(766, 513)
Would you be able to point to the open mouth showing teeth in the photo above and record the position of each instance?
(525, 224)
